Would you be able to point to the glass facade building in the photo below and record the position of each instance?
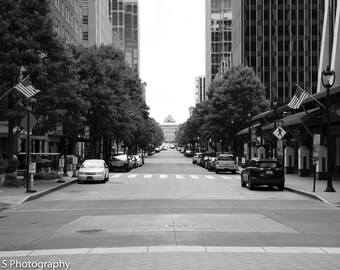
(280, 40)
(124, 16)
(218, 37)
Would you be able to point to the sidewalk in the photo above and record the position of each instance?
(11, 196)
(304, 186)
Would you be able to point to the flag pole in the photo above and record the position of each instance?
(310, 95)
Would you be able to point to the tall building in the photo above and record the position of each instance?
(218, 39)
(281, 41)
(96, 23)
(200, 93)
(124, 16)
(330, 43)
(68, 19)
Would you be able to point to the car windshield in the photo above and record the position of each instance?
(269, 165)
(120, 157)
(92, 164)
(226, 158)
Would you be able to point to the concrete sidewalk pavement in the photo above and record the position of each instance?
(11, 196)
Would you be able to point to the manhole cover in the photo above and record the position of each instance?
(90, 231)
(178, 225)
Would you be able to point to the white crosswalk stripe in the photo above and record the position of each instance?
(166, 176)
(116, 175)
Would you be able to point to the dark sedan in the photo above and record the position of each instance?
(259, 172)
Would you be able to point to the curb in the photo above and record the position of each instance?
(308, 194)
(47, 191)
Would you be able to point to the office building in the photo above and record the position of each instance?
(68, 19)
(96, 23)
(124, 16)
(281, 41)
(218, 38)
(200, 93)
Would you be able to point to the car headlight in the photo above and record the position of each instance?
(100, 173)
(80, 173)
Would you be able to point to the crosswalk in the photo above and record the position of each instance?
(169, 176)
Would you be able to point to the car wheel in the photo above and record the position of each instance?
(217, 171)
(250, 185)
(79, 181)
(243, 184)
(281, 187)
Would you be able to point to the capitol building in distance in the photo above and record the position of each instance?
(169, 128)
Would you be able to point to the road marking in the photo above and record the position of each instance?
(194, 176)
(116, 175)
(226, 177)
(210, 177)
(132, 176)
(147, 176)
(178, 176)
(163, 176)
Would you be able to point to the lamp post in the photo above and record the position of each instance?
(327, 79)
(249, 118)
(274, 104)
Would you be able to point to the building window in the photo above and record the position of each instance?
(86, 35)
(85, 19)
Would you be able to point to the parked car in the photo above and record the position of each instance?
(202, 161)
(258, 172)
(157, 149)
(225, 163)
(93, 170)
(120, 162)
(139, 159)
(189, 153)
(196, 157)
(211, 164)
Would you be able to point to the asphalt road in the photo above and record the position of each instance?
(169, 202)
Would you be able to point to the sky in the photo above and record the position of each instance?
(172, 54)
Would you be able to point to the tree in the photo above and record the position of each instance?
(27, 42)
(239, 92)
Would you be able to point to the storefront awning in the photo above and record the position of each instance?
(246, 130)
(295, 119)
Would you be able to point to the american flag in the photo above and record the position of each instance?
(25, 87)
(299, 96)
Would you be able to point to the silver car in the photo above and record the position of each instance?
(93, 170)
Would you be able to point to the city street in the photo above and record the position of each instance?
(172, 205)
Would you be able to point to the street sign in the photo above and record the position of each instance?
(279, 132)
(32, 119)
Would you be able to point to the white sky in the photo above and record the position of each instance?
(172, 54)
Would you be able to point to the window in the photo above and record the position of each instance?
(86, 36)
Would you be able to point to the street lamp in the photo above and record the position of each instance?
(328, 79)
(274, 106)
(249, 119)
